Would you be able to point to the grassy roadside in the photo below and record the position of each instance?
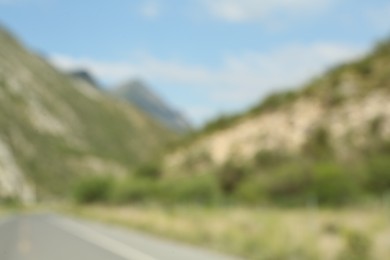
(3, 211)
(262, 233)
(16, 209)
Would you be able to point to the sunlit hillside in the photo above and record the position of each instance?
(53, 130)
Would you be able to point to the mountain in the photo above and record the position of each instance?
(139, 94)
(54, 130)
(347, 109)
(84, 76)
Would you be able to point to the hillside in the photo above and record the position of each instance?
(140, 95)
(348, 108)
(53, 130)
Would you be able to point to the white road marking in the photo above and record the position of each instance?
(109, 244)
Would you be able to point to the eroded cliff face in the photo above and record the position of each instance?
(13, 184)
(288, 129)
(349, 104)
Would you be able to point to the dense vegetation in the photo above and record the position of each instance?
(270, 179)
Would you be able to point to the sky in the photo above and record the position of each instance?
(205, 57)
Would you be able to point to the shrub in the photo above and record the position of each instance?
(151, 170)
(297, 183)
(229, 176)
(250, 192)
(10, 202)
(358, 247)
(376, 126)
(318, 144)
(92, 189)
(364, 67)
(334, 98)
(134, 190)
(201, 189)
(220, 122)
(197, 189)
(274, 101)
(288, 184)
(378, 173)
(332, 185)
(267, 159)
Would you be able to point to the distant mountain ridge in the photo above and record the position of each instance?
(139, 94)
(55, 130)
(85, 76)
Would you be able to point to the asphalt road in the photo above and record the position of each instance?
(53, 237)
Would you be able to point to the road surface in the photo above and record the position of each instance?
(53, 237)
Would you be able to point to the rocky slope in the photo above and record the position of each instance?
(138, 94)
(53, 130)
(349, 107)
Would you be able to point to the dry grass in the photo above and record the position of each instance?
(260, 233)
(2, 211)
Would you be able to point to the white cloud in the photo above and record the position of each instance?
(150, 9)
(237, 82)
(249, 10)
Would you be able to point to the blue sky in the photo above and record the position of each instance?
(206, 57)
